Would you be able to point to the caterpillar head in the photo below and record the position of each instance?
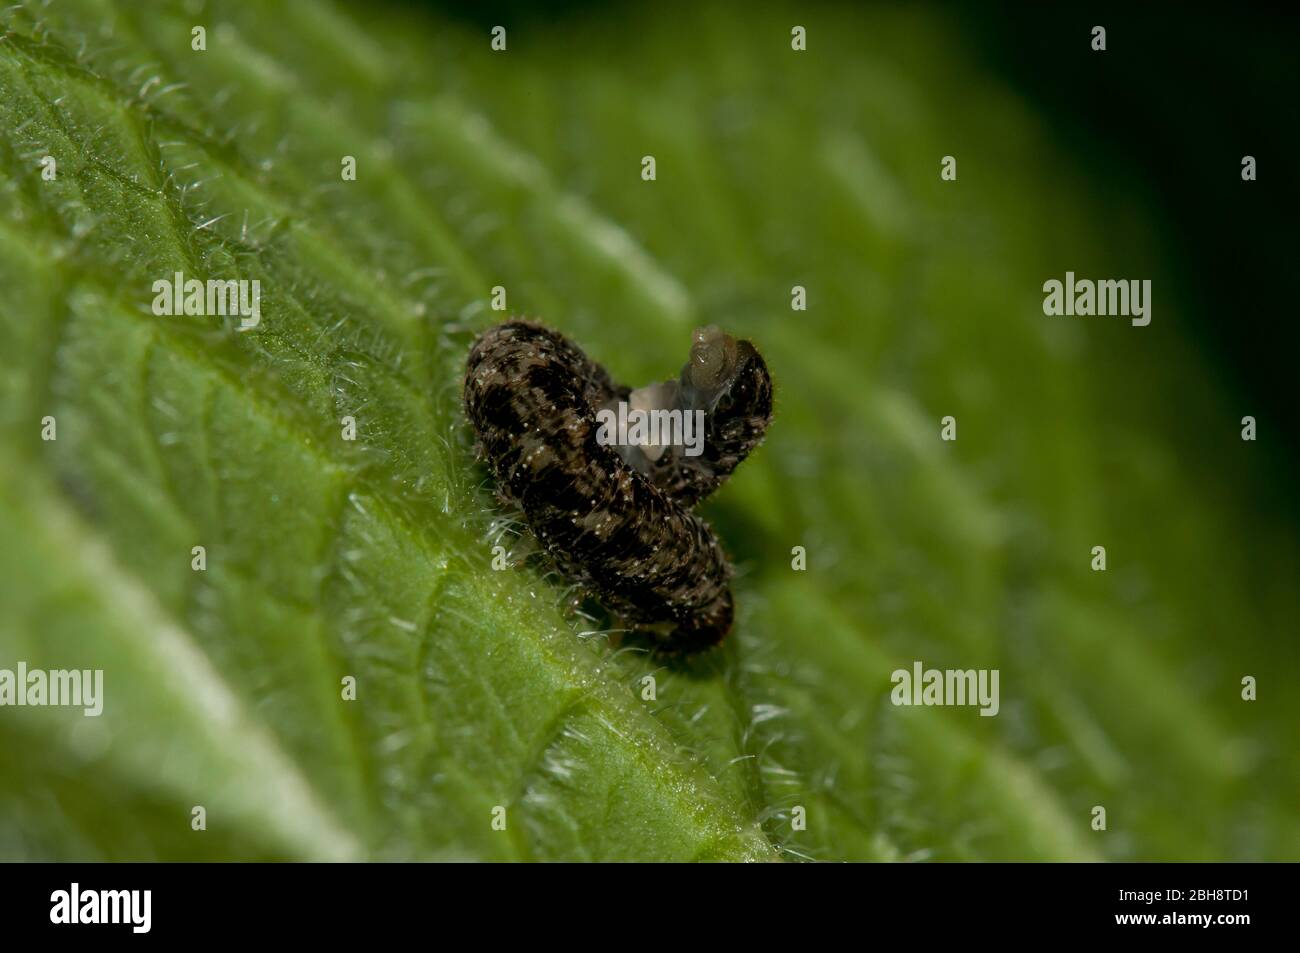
(726, 378)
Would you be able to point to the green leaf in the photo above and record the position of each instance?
(328, 558)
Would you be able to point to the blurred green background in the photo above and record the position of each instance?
(775, 168)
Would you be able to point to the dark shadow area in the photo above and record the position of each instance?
(1181, 94)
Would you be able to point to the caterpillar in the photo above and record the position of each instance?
(618, 520)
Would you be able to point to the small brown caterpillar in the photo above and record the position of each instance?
(617, 519)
